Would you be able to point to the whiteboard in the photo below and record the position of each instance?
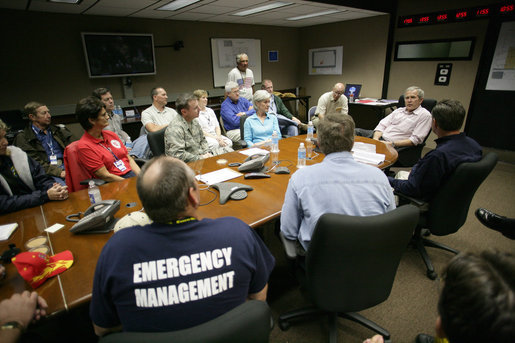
(223, 55)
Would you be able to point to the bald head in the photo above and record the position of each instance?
(338, 90)
(163, 187)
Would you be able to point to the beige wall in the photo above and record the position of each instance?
(364, 52)
(422, 73)
(45, 59)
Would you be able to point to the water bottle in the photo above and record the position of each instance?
(351, 97)
(309, 148)
(118, 110)
(310, 129)
(94, 193)
(128, 143)
(301, 153)
(275, 142)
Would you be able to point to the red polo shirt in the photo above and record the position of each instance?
(97, 153)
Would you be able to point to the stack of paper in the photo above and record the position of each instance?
(368, 157)
(6, 230)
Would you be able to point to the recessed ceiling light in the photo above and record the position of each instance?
(176, 5)
(262, 8)
(66, 1)
(311, 15)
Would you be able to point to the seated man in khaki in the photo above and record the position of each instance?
(406, 126)
(331, 102)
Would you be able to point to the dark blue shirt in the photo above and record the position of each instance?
(49, 143)
(432, 171)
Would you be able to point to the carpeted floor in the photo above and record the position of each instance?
(411, 307)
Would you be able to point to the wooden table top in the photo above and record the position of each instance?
(74, 286)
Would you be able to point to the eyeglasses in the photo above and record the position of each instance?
(338, 93)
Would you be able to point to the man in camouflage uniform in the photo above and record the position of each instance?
(184, 138)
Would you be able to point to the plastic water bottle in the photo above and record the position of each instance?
(128, 143)
(310, 129)
(118, 110)
(309, 148)
(301, 156)
(275, 142)
(351, 97)
(94, 193)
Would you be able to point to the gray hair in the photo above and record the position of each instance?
(336, 133)
(230, 85)
(164, 194)
(239, 56)
(260, 95)
(420, 92)
(183, 102)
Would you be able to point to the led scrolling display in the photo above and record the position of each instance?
(457, 15)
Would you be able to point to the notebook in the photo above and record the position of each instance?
(352, 88)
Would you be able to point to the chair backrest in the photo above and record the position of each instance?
(75, 172)
(249, 322)
(156, 141)
(222, 127)
(242, 126)
(352, 261)
(449, 208)
(311, 112)
(428, 104)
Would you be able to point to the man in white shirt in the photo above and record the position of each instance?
(406, 126)
(243, 76)
(331, 102)
(157, 116)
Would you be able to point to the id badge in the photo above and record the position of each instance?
(53, 160)
(119, 164)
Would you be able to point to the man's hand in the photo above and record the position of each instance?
(296, 120)
(240, 114)
(23, 308)
(57, 192)
(207, 155)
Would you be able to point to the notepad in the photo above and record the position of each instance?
(7, 230)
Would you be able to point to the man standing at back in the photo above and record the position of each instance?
(452, 149)
(157, 116)
(177, 272)
(243, 76)
(45, 142)
(331, 102)
(337, 185)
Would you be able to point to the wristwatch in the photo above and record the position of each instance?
(12, 325)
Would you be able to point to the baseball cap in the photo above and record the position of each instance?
(36, 267)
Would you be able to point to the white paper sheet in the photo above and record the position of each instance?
(218, 176)
(7, 230)
(254, 151)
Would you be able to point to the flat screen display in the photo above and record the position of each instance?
(119, 54)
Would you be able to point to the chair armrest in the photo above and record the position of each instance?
(140, 161)
(414, 201)
(97, 182)
(241, 143)
(289, 247)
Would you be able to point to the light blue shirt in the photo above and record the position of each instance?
(256, 131)
(337, 185)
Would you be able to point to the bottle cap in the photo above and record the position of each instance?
(310, 123)
(91, 183)
(301, 145)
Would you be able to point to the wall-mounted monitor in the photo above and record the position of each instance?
(432, 50)
(119, 54)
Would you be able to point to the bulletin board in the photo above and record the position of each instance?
(223, 55)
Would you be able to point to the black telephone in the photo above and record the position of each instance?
(255, 162)
(98, 218)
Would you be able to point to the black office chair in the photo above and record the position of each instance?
(351, 264)
(249, 322)
(156, 141)
(409, 155)
(447, 211)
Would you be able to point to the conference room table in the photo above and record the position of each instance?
(73, 287)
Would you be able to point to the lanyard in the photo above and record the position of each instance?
(182, 221)
(109, 149)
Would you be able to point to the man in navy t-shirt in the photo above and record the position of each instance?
(177, 272)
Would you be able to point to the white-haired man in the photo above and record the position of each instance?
(232, 109)
(243, 76)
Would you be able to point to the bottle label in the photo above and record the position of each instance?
(92, 198)
(302, 155)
